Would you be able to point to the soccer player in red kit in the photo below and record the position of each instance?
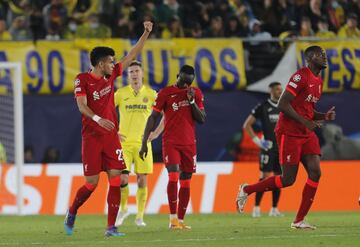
(101, 149)
(182, 106)
(295, 135)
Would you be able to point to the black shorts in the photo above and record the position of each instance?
(269, 162)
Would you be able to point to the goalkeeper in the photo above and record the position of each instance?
(267, 114)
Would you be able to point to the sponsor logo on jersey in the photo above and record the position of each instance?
(105, 91)
(96, 95)
(297, 78)
(273, 118)
(136, 107)
(183, 103)
(312, 98)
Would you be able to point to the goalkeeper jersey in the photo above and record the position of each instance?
(134, 110)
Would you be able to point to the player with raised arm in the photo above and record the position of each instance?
(135, 103)
(182, 106)
(295, 135)
(267, 114)
(101, 149)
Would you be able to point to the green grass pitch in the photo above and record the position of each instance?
(218, 230)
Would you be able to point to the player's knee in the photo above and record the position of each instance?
(115, 181)
(185, 175)
(288, 181)
(141, 180)
(124, 179)
(315, 175)
(174, 176)
(173, 168)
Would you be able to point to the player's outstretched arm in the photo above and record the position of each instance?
(150, 125)
(85, 110)
(285, 106)
(136, 49)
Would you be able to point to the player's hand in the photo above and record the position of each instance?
(143, 151)
(122, 138)
(152, 136)
(311, 125)
(106, 124)
(148, 25)
(263, 144)
(330, 114)
(190, 93)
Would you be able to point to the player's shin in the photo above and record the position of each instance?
(141, 198)
(307, 199)
(124, 197)
(113, 199)
(81, 196)
(184, 197)
(172, 191)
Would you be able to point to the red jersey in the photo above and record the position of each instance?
(179, 123)
(99, 93)
(307, 89)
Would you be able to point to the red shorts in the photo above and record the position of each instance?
(101, 153)
(291, 148)
(185, 156)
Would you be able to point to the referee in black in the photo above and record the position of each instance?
(267, 114)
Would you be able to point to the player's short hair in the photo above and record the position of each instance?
(135, 63)
(187, 69)
(274, 84)
(309, 52)
(99, 53)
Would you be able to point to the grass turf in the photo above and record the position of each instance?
(220, 230)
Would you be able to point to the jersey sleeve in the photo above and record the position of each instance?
(79, 86)
(117, 97)
(256, 112)
(296, 83)
(117, 70)
(199, 99)
(160, 101)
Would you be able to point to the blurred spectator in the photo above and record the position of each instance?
(256, 32)
(70, 30)
(173, 30)
(352, 6)
(314, 12)
(4, 34)
(244, 26)
(165, 12)
(19, 29)
(80, 10)
(232, 28)
(36, 23)
(336, 14)
(93, 29)
(124, 16)
(306, 28)
(29, 154)
(224, 9)
(51, 155)
(216, 28)
(55, 17)
(323, 30)
(3, 158)
(350, 30)
(195, 31)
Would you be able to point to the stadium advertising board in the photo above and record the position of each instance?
(49, 189)
(50, 67)
(343, 58)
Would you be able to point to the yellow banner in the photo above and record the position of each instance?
(50, 67)
(343, 58)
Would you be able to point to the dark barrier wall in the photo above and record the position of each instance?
(54, 120)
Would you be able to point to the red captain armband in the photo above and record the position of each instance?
(156, 109)
(291, 91)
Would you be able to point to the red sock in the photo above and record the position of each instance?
(307, 199)
(270, 183)
(184, 197)
(81, 196)
(172, 191)
(113, 199)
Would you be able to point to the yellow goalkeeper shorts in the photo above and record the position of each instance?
(131, 156)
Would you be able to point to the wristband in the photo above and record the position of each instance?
(192, 102)
(96, 118)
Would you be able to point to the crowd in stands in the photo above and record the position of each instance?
(257, 19)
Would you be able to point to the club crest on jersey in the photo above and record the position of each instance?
(145, 100)
(96, 95)
(77, 82)
(297, 78)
